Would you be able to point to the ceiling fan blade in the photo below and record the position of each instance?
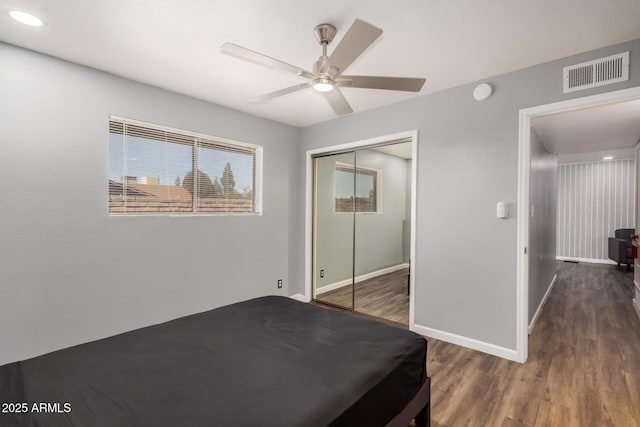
(388, 83)
(358, 38)
(338, 102)
(269, 96)
(264, 60)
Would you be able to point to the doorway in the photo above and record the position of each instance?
(526, 210)
(362, 203)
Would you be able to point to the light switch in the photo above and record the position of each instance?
(501, 210)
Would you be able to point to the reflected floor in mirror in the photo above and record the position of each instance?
(384, 296)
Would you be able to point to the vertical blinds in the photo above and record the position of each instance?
(594, 199)
(156, 170)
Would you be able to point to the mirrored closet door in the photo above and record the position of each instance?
(333, 230)
(361, 234)
(382, 231)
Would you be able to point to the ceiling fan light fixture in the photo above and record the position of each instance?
(323, 84)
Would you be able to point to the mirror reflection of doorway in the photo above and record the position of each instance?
(361, 233)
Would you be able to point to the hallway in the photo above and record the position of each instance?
(583, 367)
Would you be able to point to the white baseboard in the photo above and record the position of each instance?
(300, 297)
(333, 286)
(532, 324)
(636, 284)
(366, 276)
(588, 260)
(495, 350)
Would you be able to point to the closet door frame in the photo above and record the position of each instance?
(408, 136)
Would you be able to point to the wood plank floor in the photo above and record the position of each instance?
(583, 367)
(384, 296)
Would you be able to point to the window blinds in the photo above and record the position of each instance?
(159, 170)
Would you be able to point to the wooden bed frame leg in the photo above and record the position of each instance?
(423, 419)
(420, 402)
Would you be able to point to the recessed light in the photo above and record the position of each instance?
(607, 158)
(26, 18)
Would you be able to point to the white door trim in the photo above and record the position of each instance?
(308, 234)
(524, 154)
(636, 213)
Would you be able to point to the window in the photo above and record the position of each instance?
(366, 188)
(157, 170)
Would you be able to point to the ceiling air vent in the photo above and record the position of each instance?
(599, 72)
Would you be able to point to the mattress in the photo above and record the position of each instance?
(269, 361)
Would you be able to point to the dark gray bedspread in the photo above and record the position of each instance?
(269, 361)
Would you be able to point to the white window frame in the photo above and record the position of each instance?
(258, 171)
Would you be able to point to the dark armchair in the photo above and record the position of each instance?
(620, 247)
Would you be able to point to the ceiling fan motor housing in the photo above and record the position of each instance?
(322, 68)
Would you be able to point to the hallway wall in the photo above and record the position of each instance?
(543, 187)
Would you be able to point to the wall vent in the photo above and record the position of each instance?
(599, 72)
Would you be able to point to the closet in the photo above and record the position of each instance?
(361, 229)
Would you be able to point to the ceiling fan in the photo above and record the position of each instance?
(327, 77)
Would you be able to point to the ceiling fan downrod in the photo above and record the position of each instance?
(322, 69)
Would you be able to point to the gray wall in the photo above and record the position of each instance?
(467, 161)
(543, 190)
(594, 199)
(379, 236)
(69, 273)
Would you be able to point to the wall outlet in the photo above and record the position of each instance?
(321, 274)
(279, 283)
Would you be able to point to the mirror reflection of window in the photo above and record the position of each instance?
(366, 189)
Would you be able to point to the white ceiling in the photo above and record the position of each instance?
(175, 44)
(604, 127)
(597, 156)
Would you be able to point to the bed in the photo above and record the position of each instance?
(269, 361)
